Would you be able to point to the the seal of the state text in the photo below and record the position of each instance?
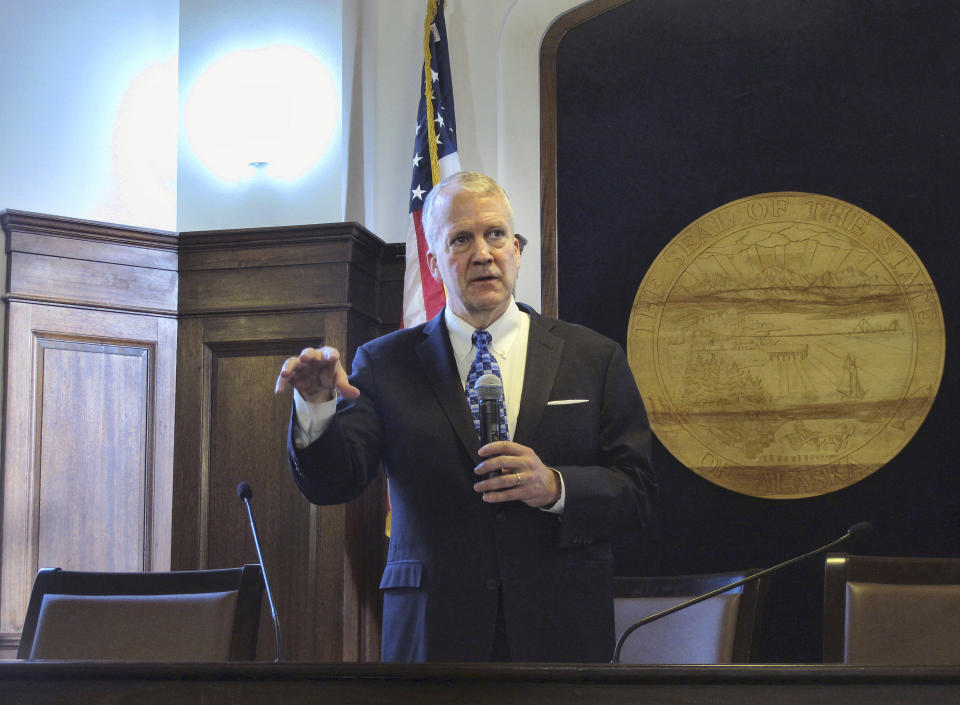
(786, 345)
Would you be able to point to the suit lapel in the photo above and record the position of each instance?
(441, 372)
(543, 360)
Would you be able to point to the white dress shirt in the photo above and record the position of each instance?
(509, 335)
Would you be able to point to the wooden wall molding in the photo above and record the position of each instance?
(70, 262)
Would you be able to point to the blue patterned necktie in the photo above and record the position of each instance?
(484, 363)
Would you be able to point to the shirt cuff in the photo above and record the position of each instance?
(557, 507)
(312, 419)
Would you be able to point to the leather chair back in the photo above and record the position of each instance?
(205, 615)
(721, 629)
(891, 611)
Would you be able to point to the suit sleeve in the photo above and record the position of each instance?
(339, 465)
(618, 492)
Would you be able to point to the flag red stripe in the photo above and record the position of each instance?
(433, 296)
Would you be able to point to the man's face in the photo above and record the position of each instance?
(474, 254)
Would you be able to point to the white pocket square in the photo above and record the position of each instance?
(558, 402)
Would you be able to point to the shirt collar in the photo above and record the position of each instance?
(503, 331)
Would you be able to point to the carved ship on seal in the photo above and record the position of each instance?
(850, 387)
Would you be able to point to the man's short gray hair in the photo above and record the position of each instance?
(470, 181)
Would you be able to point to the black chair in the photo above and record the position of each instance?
(721, 629)
(190, 615)
(891, 611)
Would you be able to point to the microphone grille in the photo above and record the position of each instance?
(488, 386)
(244, 491)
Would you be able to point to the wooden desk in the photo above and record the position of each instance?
(79, 683)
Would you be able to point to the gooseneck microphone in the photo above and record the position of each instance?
(489, 389)
(245, 492)
(856, 531)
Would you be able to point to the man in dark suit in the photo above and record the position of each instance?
(516, 566)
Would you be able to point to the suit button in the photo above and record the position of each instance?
(501, 514)
(493, 584)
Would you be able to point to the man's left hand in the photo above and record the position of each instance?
(523, 477)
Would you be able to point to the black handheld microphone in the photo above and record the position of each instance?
(489, 389)
(858, 530)
(245, 492)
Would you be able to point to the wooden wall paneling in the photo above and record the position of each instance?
(88, 404)
(81, 419)
(100, 319)
(164, 430)
(279, 269)
(189, 452)
(249, 299)
(54, 260)
(232, 432)
(93, 414)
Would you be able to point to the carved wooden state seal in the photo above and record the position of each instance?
(786, 345)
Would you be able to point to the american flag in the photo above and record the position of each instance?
(434, 157)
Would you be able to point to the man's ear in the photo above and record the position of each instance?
(434, 269)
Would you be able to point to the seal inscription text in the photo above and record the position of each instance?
(786, 344)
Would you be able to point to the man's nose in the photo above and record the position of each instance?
(481, 252)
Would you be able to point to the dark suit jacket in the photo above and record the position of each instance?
(450, 553)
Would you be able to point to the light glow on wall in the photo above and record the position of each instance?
(276, 106)
(143, 180)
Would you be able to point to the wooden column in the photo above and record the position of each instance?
(88, 402)
(248, 300)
